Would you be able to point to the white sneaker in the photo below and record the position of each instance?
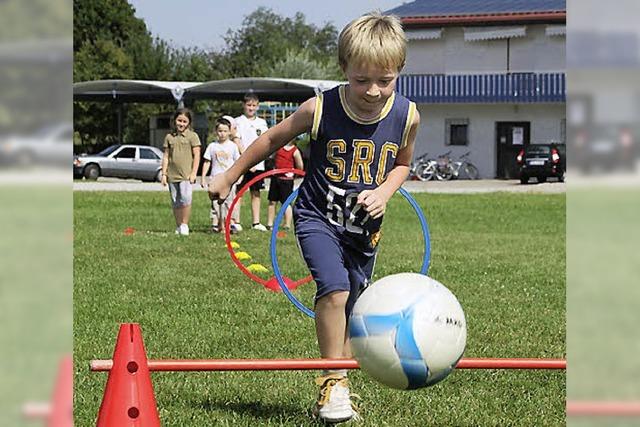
(238, 227)
(259, 227)
(184, 229)
(334, 401)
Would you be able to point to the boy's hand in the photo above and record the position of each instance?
(192, 178)
(373, 203)
(163, 180)
(219, 187)
(203, 182)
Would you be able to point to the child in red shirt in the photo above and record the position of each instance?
(281, 186)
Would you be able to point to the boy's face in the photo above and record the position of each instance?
(223, 132)
(370, 85)
(250, 107)
(182, 122)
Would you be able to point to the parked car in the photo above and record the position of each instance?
(542, 161)
(49, 146)
(606, 148)
(121, 161)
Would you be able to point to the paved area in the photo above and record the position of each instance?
(452, 187)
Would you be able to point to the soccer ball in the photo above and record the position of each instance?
(407, 331)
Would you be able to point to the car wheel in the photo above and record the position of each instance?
(159, 176)
(541, 179)
(524, 179)
(92, 172)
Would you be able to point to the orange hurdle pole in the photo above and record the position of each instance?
(603, 408)
(317, 364)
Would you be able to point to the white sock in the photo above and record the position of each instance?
(342, 372)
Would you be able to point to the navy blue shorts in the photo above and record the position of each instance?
(334, 265)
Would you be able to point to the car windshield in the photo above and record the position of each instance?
(108, 150)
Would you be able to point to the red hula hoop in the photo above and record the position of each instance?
(227, 226)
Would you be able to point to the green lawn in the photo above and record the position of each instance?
(503, 255)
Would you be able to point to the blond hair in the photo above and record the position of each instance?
(374, 39)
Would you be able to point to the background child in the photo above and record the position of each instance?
(250, 127)
(180, 167)
(220, 155)
(281, 186)
(235, 137)
(362, 137)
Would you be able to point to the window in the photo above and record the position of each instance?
(457, 132)
(145, 153)
(127, 153)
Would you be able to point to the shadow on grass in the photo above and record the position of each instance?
(258, 410)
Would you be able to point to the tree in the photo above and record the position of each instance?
(265, 38)
(300, 65)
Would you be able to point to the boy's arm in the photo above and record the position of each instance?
(267, 143)
(205, 170)
(297, 160)
(236, 140)
(375, 201)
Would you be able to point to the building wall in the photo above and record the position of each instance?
(546, 121)
(451, 54)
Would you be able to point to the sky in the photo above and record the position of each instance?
(203, 23)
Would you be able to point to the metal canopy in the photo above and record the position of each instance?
(268, 89)
(121, 91)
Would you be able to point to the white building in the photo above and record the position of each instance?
(488, 77)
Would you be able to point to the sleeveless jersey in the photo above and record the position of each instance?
(349, 155)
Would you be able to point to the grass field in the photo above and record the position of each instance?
(503, 255)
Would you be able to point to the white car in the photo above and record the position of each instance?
(51, 145)
(121, 161)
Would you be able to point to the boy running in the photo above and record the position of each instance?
(362, 136)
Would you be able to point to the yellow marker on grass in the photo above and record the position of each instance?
(257, 268)
(242, 256)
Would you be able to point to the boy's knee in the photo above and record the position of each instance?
(335, 299)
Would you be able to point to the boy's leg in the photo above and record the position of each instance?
(331, 324)
(255, 206)
(273, 198)
(213, 215)
(286, 188)
(288, 217)
(224, 211)
(323, 254)
(271, 213)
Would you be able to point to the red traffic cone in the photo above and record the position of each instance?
(61, 414)
(128, 398)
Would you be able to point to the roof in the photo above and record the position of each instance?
(475, 7)
(130, 90)
(268, 89)
(480, 12)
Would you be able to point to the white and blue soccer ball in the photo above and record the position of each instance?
(407, 331)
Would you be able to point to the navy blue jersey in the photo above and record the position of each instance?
(349, 155)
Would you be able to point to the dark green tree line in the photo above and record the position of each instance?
(110, 42)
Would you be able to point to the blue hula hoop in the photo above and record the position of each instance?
(274, 258)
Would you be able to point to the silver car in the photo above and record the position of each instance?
(121, 161)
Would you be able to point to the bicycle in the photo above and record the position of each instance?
(423, 168)
(448, 169)
(469, 169)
